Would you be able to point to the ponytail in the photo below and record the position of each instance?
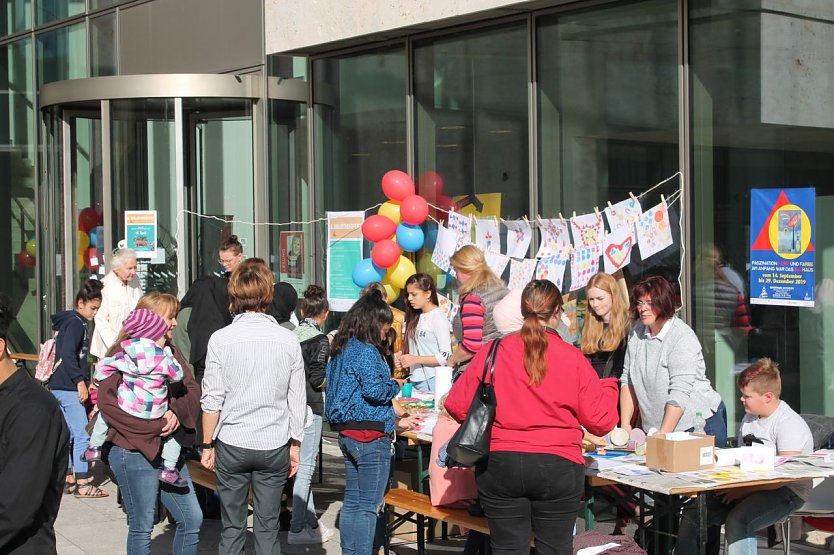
(540, 300)
(535, 348)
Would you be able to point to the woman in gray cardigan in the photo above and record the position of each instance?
(664, 373)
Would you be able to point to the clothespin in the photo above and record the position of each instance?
(497, 224)
(632, 195)
(574, 215)
(610, 206)
(596, 210)
(526, 221)
(662, 199)
(561, 217)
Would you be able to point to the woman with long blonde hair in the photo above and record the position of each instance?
(546, 394)
(603, 339)
(480, 290)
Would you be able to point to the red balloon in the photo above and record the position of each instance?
(386, 253)
(414, 210)
(430, 185)
(25, 260)
(89, 256)
(376, 228)
(397, 185)
(88, 219)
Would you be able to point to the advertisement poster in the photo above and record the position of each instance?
(292, 267)
(140, 232)
(782, 246)
(344, 251)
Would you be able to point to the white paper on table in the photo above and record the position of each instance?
(442, 383)
(596, 549)
(427, 427)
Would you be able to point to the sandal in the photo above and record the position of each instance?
(70, 487)
(91, 491)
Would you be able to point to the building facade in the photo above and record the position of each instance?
(222, 116)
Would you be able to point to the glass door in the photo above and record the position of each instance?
(219, 177)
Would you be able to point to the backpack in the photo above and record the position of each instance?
(46, 365)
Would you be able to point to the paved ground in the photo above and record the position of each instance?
(98, 526)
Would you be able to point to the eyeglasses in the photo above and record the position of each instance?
(227, 261)
(640, 304)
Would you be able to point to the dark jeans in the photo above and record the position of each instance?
(524, 493)
(139, 484)
(367, 465)
(266, 472)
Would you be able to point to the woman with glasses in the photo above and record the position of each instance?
(664, 372)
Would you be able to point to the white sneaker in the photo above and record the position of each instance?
(310, 535)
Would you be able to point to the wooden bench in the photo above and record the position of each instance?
(205, 477)
(418, 508)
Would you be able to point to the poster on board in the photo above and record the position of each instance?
(344, 251)
(141, 232)
(292, 267)
(782, 254)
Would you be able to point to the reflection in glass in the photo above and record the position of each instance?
(289, 194)
(360, 127)
(760, 119)
(62, 54)
(15, 16)
(52, 10)
(18, 249)
(219, 139)
(608, 98)
(103, 46)
(144, 178)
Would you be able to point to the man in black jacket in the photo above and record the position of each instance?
(34, 453)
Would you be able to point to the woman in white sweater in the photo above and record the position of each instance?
(120, 294)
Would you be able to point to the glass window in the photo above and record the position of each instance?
(471, 119)
(96, 4)
(761, 118)
(290, 247)
(62, 54)
(360, 128)
(608, 103)
(287, 67)
(18, 248)
(103, 46)
(86, 194)
(52, 10)
(144, 178)
(15, 16)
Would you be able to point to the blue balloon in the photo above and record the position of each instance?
(366, 272)
(95, 234)
(410, 237)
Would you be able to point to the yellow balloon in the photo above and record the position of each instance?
(391, 293)
(399, 273)
(83, 241)
(32, 247)
(390, 210)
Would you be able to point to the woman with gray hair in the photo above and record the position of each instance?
(120, 294)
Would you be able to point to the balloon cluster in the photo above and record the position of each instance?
(88, 236)
(394, 228)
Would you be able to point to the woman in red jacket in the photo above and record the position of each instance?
(532, 480)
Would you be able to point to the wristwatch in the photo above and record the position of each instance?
(206, 445)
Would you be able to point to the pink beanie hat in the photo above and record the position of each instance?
(145, 324)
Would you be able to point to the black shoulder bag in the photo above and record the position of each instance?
(470, 443)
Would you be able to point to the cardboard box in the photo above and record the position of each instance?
(672, 453)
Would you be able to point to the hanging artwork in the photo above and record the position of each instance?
(497, 262)
(519, 235)
(552, 268)
(461, 227)
(584, 263)
(487, 234)
(444, 248)
(617, 250)
(521, 272)
(654, 233)
(587, 230)
(624, 213)
(555, 238)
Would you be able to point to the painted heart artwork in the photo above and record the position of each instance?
(617, 251)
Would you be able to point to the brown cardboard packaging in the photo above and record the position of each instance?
(680, 456)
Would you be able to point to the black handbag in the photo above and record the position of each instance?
(470, 443)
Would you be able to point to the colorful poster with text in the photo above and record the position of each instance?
(344, 251)
(782, 255)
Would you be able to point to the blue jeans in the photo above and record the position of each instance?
(303, 508)
(139, 483)
(741, 519)
(366, 474)
(76, 418)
